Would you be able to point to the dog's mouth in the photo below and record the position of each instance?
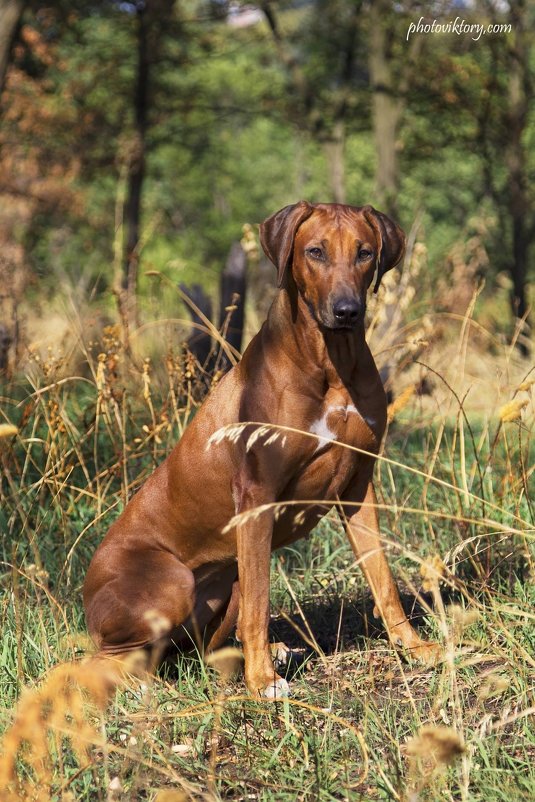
(330, 324)
(339, 328)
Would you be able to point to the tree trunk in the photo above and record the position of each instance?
(10, 14)
(136, 173)
(515, 160)
(386, 109)
(335, 152)
(5, 342)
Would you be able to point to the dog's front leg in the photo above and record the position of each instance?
(254, 532)
(362, 529)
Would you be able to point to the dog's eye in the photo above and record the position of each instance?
(364, 254)
(315, 253)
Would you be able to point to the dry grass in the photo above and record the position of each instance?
(362, 724)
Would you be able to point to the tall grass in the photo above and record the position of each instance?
(457, 518)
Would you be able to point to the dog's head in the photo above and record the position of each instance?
(333, 253)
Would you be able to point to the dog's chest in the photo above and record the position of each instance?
(340, 421)
(339, 434)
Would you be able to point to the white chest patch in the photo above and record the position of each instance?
(321, 426)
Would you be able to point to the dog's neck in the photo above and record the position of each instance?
(341, 355)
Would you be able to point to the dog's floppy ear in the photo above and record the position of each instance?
(277, 235)
(391, 240)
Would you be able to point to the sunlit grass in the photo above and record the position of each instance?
(454, 483)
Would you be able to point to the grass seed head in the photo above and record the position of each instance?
(115, 788)
(432, 571)
(7, 430)
(62, 708)
(400, 402)
(440, 744)
(135, 664)
(513, 410)
(146, 379)
(494, 685)
(249, 243)
(159, 624)
(227, 662)
(461, 618)
(171, 795)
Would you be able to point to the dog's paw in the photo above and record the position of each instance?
(429, 654)
(285, 658)
(278, 689)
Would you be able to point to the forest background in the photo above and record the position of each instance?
(140, 145)
(168, 126)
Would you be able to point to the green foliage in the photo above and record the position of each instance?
(236, 131)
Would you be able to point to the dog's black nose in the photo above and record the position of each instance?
(346, 311)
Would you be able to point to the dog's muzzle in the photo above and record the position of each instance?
(346, 314)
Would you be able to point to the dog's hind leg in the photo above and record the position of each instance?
(220, 629)
(134, 599)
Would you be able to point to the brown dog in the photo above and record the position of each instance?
(171, 554)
